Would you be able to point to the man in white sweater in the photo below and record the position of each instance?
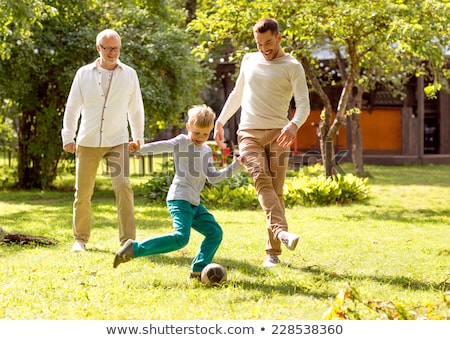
(107, 96)
(267, 81)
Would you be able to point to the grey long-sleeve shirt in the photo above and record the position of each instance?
(193, 166)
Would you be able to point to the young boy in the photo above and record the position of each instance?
(193, 166)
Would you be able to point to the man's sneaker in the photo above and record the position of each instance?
(125, 254)
(271, 260)
(78, 246)
(290, 240)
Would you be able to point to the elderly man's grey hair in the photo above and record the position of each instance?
(107, 33)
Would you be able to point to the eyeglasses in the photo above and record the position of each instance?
(111, 49)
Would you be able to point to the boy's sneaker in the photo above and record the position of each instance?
(271, 260)
(195, 275)
(125, 254)
(290, 240)
(78, 246)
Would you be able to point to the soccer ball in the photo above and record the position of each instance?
(213, 274)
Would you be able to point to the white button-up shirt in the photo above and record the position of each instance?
(104, 123)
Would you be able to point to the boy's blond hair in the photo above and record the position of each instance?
(201, 116)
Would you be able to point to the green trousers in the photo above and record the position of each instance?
(185, 216)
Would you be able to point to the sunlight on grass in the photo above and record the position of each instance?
(395, 247)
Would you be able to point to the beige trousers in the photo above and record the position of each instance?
(87, 163)
(267, 162)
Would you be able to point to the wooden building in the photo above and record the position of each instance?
(415, 130)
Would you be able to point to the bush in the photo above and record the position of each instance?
(158, 185)
(309, 187)
(308, 191)
(236, 192)
(312, 188)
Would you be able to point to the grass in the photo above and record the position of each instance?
(393, 248)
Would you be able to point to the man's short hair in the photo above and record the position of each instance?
(266, 24)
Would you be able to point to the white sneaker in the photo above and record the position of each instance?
(290, 240)
(271, 260)
(78, 246)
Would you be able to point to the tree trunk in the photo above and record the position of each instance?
(323, 132)
(26, 171)
(357, 146)
(191, 7)
(357, 138)
(328, 157)
(39, 149)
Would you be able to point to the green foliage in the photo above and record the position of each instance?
(18, 19)
(352, 188)
(7, 177)
(371, 42)
(8, 137)
(42, 53)
(349, 305)
(234, 193)
(158, 185)
(157, 46)
(431, 90)
(377, 248)
(309, 188)
(353, 111)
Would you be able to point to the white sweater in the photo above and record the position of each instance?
(264, 90)
(193, 166)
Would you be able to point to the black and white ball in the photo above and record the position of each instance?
(213, 274)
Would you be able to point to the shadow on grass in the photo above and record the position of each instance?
(399, 281)
(282, 286)
(293, 287)
(286, 287)
(429, 216)
(104, 214)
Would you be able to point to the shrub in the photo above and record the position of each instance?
(309, 187)
(158, 185)
(352, 188)
(236, 192)
(308, 191)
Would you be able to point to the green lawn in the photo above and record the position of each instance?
(393, 250)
